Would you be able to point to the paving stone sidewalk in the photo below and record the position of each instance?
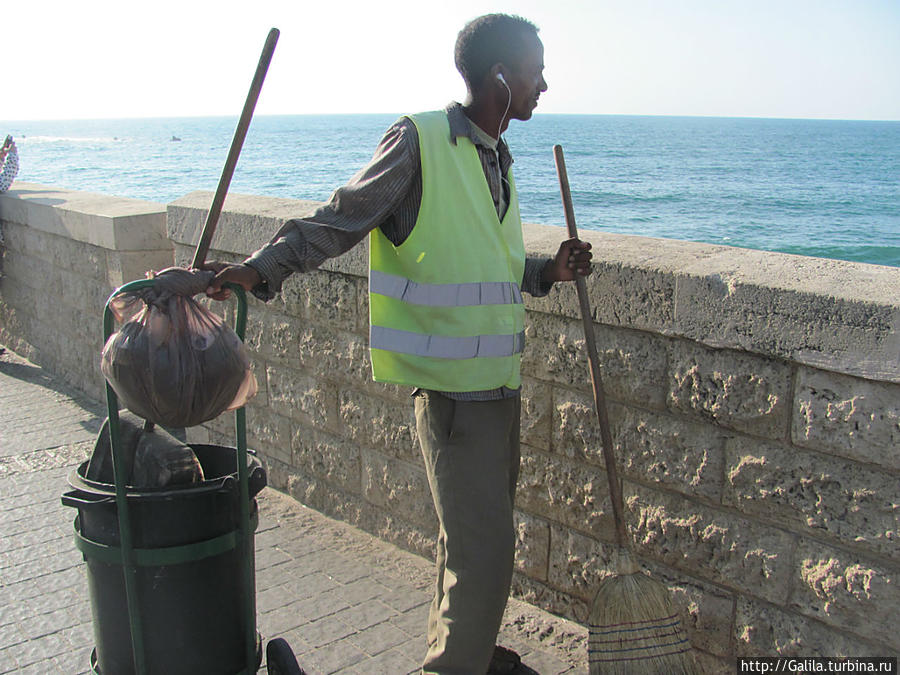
(345, 601)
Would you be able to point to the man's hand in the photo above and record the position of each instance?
(242, 275)
(574, 257)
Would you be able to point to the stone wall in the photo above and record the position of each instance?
(63, 254)
(755, 404)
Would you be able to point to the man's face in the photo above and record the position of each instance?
(526, 79)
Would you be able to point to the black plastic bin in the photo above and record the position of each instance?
(189, 561)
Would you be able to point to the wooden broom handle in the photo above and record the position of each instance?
(212, 218)
(615, 488)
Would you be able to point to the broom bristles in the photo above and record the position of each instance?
(635, 631)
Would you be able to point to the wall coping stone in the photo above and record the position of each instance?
(830, 314)
(113, 223)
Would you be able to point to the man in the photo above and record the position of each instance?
(447, 264)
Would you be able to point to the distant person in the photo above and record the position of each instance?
(447, 270)
(9, 161)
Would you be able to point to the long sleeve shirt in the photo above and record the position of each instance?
(386, 193)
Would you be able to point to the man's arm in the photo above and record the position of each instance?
(354, 210)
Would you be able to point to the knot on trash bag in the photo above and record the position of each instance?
(167, 283)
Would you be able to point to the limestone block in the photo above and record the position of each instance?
(632, 283)
(632, 364)
(576, 431)
(275, 337)
(847, 591)
(115, 223)
(711, 544)
(333, 459)
(761, 629)
(565, 491)
(579, 563)
(247, 221)
(840, 498)
(325, 497)
(269, 431)
(550, 599)
(58, 251)
(379, 424)
(713, 665)
(831, 314)
(324, 298)
(301, 397)
(536, 413)
(706, 610)
(682, 455)
(532, 545)
(334, 354)
(123, 267)
(394, 529)
(736, 390)
(859, 419)
(398, 487)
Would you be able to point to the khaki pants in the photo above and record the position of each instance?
(471, 452)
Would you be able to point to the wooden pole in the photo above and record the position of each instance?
(240, 133)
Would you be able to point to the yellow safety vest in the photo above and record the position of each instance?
(445, 307)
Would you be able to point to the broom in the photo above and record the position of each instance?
(633, 628)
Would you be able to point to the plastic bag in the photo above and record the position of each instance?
(176, 363)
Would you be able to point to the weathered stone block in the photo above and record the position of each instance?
(537, 414)
(398, 487)
(565, 491)
(379, 424)
(764, 630)
(552, 600)
(631, 284)
(736, 390)
(632, 364)
(859, 419)
(323, 298)
(848, 592)
(576, 431)
(681, 455)
(831, 314)
(578, 563)
(706, 610)
(247, 221)
(274, 337)
(710, 544)
(298, 396)
(334, 354)
(270, 432)
(334, 459)
(842, 499)
(532, 545)
(101, 220)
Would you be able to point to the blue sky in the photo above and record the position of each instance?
(758, 58)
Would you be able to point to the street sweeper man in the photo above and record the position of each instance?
(447, 269)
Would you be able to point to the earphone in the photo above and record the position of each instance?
(502, 79)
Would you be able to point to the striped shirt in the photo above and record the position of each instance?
(386, 193)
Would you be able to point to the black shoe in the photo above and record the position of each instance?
(507, 662)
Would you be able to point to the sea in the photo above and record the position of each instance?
(825, 188)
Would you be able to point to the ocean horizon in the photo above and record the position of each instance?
(819, 187)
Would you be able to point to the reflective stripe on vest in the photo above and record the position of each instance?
(438, 346)
(444, 295)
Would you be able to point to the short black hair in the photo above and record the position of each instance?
(489, 39)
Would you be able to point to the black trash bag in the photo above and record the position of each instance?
(176, 363)
(151, 456)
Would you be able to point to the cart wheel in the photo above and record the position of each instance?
(280, 659)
